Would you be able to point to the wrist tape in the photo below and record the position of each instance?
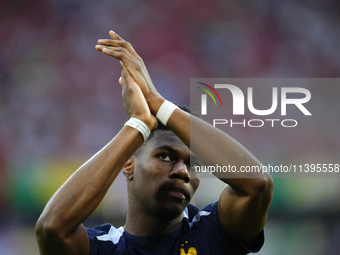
(140, 126)
(165, 111)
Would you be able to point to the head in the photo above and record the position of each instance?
(159, 174)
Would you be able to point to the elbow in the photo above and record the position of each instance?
(47, 230)
(263, 187)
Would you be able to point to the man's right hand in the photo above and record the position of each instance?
(123, 51)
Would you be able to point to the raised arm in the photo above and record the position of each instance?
(244, 202)
(59, 229)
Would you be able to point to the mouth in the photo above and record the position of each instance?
(177, 192)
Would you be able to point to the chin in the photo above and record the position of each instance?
(169, 211)
(167, 215)
(167, 208)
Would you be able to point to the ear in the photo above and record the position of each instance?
(128, 168)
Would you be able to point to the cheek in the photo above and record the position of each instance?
(150, 168)
(146, 176)
(195, 182)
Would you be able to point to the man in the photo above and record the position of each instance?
(161, 181)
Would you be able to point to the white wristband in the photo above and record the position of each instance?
(165, 111)
(140, 126)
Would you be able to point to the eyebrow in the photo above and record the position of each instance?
(168, 148)
(172, 150)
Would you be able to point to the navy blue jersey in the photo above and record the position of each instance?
(201, 233)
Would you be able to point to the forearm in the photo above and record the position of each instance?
(244, 203)
(212, 146)
(80, 195)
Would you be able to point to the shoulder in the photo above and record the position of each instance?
(105, 232)
(204, 223)
(194, 214)
(104, 238)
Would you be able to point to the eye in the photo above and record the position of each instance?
(165, 157)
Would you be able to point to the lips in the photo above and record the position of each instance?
(176, 192)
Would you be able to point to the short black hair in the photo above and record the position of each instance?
(161, 127)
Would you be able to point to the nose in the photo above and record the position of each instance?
(180, 171)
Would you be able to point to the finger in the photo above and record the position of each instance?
(122, 44)
(117, 49)
(112, 48)
(114, 35)
(119, 54)
(108, 42)
(117, 41)
(99, 47)
(113, 42)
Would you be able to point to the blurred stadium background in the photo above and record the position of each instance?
(60, 100)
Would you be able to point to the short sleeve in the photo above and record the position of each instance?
(100, 242)
(230, 240)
